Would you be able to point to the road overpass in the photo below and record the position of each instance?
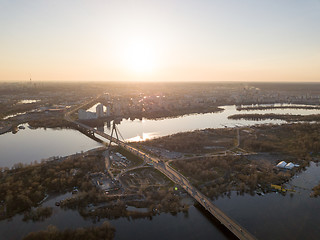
(179, 179)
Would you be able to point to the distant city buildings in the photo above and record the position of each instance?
(137, 103)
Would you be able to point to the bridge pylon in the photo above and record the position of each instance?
(115, 130)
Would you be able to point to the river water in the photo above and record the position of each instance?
(28, 145)
(164, 226)
(271, 216)
(35, 144)
(137, 130)
(274, 216)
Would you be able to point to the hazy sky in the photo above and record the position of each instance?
(160, 40)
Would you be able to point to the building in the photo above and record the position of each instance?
(99, 110)
(285, 165)
(108, 111)
(84, 115)
(290, 165)
(281, 164)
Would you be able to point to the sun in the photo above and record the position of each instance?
(140, 56)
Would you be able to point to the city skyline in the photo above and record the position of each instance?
(160, 41)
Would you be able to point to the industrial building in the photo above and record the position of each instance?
(281, 164)
(85, 115)
(99, 111)
(285, 165)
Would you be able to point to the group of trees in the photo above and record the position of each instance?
(84, 198)
(56, 121)
(285, 117)
(178, 111)
(241, 108)
(301, 140)
(102, 232)
(115, 209)
(25, 186)
(215, 176)
(39, 214)
(196, 141)
(316, 191)
(164, 200)
(13, 108)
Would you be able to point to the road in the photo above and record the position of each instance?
(179, 179)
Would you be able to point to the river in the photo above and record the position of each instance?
(35, 144)
(28, 145)
(139, 130)
(194, 225)
(271, 216)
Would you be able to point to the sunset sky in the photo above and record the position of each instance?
(153, 40)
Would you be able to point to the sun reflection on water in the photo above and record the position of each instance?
(145, 136)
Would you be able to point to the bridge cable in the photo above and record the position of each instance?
(117, 129)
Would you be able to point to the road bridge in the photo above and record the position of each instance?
(179, 179)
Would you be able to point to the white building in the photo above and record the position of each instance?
(290, 166)
(285, 165)
(281, 164)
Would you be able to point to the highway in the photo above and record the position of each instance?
(178, 178)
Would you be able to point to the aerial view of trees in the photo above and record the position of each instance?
(23, 187)
(196, 141)
(103, 232)
(301, 140)
(316, 191)
(215, 176)
(285, 117)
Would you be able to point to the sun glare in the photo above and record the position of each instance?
(139, 57)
